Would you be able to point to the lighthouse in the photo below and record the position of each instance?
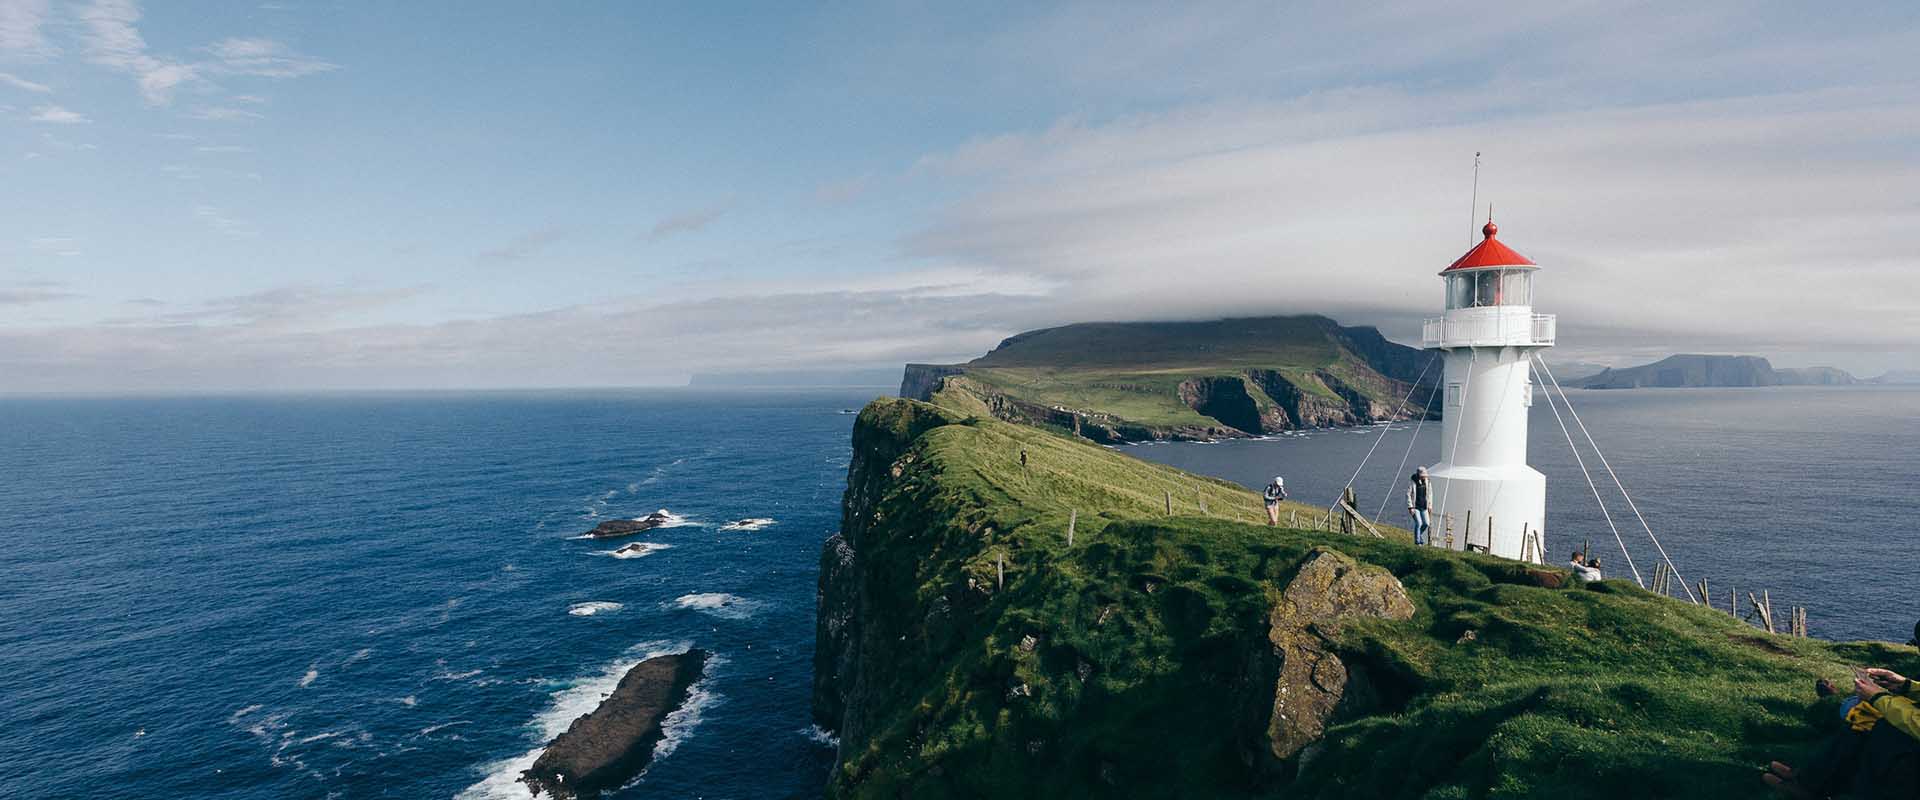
(1484, 496)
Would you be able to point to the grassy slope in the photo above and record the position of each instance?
(1146, 677)
(1133, 370)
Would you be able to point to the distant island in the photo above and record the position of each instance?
(1133, 381)
(1694, 370)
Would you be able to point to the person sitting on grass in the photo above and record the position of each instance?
(1876, 756)
(1275, 492)
(1593, 566)
(1915, 641)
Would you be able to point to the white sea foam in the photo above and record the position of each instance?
(581, 696)
(820, 736)
(679, 725)
(235, 718)
(748, 524)
(409, 701)
(635, 550)
(592, 608)
(307, 679)
(719, 604)
(358, 656)
(673, 520)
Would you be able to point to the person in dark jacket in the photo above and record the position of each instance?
(1275, 492)
(1419, 501)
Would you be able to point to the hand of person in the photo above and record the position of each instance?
(1866, 688)
(1887, 678)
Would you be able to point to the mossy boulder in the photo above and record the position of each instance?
(1329, 589)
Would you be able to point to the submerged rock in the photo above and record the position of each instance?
(607, 747)
(615, 528)
(1313, 681)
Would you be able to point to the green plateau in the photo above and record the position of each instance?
(1132, 381)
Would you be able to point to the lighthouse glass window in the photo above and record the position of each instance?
(1493, 287)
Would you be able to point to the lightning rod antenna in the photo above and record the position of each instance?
(1473, 209)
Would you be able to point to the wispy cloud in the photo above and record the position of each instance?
(223, 148)
(685, 222)
(262, 57)
(277, 308)
(225, 114)
(222, 222)
(520, 247)
(32, 295)
(23, 84)
(58, 116)
(63, 246)
(20, 29)
(113, 40)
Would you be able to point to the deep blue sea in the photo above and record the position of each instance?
(383, 595)
(1809, 493)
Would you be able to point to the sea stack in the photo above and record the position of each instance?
(604, 749)
(615, 528)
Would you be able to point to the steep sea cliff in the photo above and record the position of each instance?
(993, 628)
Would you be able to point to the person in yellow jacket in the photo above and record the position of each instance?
(1876, 756)
(1891, 694)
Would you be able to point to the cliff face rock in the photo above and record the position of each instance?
(607, 747)
(1815, 376)
(1314, 684)
(920, 381)
(1224, 398)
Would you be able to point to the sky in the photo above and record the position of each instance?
(292, 195)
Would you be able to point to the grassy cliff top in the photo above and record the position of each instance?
(1137, 661)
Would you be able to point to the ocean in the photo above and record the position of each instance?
(1809, 493)
(385, 595)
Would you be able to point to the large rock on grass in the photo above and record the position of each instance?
(1313, 681)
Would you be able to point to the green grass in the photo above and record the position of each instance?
(1135, 661)
(1130, 373)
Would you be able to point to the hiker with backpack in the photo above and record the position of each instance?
(1274, 493)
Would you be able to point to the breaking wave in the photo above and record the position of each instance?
(592, 608)
(748, 524)
(635, 550)
(719, 604)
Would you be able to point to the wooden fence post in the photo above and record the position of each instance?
(1003, 572)
(1169, 503)
(1073, 518)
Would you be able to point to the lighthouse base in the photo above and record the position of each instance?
(1498, 510)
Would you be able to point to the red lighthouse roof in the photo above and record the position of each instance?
(1490, 253)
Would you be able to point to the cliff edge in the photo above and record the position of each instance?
(969, 645)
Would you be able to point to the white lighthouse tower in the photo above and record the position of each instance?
(1484, 495)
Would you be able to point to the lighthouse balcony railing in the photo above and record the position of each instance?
(1499, 330)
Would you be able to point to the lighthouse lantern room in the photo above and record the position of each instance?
(1485, 496)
